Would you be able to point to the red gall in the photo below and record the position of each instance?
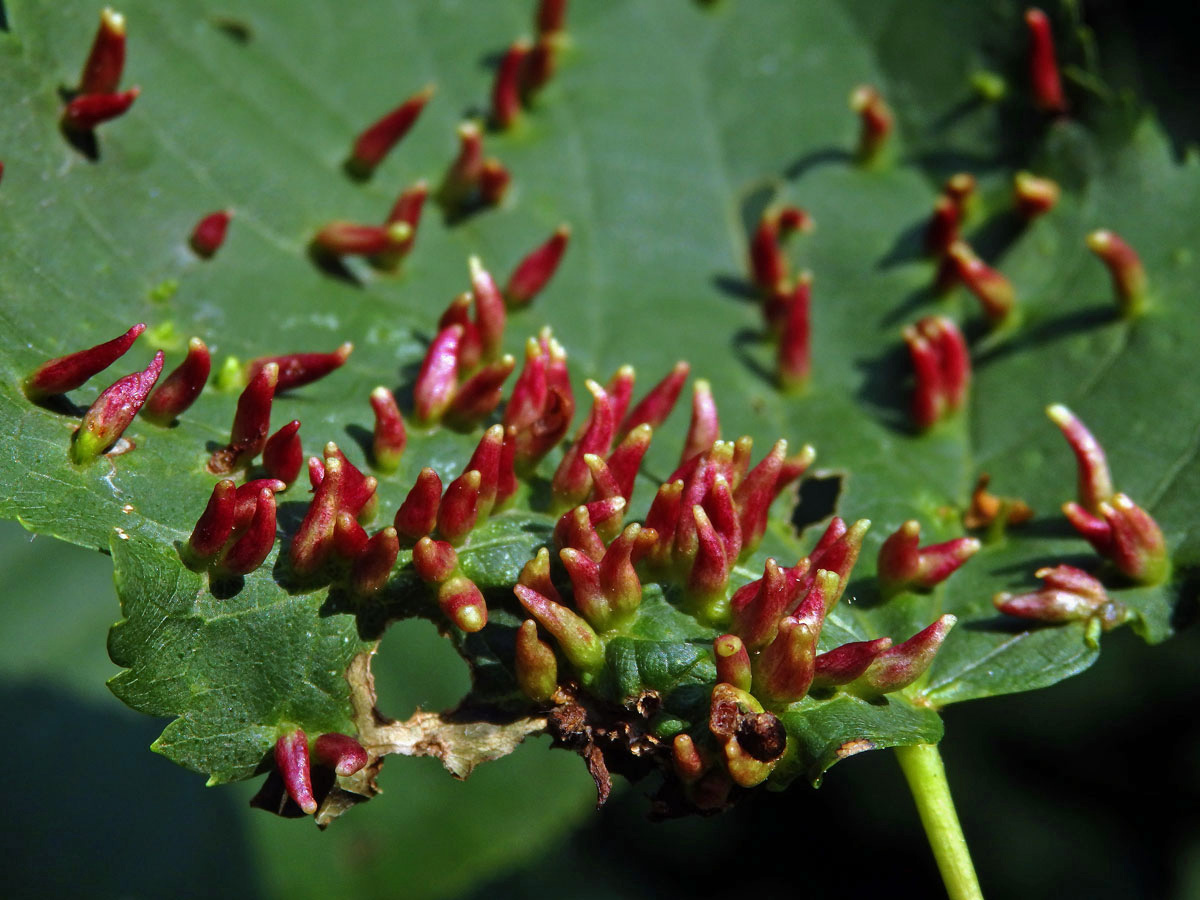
(292, 761)
(378, 139)
(87, 111)
(175, 394)
(339, 752)
(875, 123)
(535, 270)
(65, 373)
(1128, 276)
(1043, 65)
(109, 416)
(209, 234)
(283, 456)
(390, 436)
(106, 60)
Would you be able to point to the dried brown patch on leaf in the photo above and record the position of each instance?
(462, 738)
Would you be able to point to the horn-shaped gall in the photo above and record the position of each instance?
(461, 182)
(494, 181)
(178, 391)
(658, 402)
(489, 309)
(1125, 534)
(209, 234)
(902, 565)
(106, 60)
(572, 480)
(705, 427)
(251, 423)
(65, 373)
(418, 514)
(1034, 196)
(283, 456)
(405, 211)
(390, 436)
(578, 641)
(847, 663)
(374, 564)
(506, 89)
(899, 666)
(214, 526)
(249, 550)
(438, 378)
(1128, 275)
(1043, 65)
(535, 664)
(768, 265)
(733, 662)
(1094, 481)
(87, 111)
(339, 752)
(994, 292)
(459, 508)
(875, 123)
(534, 272)
(793, 362)
(299, 369)
(291, 759)
(461, 601)
(1067, 594)
(109, 416)
(434, 561)
(378, 139)
(341, 238)
(313, 540)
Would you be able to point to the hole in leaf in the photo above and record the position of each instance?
(237, 30)
(818, 499)
(417, 668)
(3, 17)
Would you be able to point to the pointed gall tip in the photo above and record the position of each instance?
(177, 393)
(1099, 241)
(291, 759)
(340, 752)
(579, 642)
(1044, 77)
(1094, 481)
(462, 602)
(876, 122)
(65, 373)
(1034, 196)
(1129, 281)
(1059, 414)
(733, 661)
(112, 20)
(535, 664)
(112, 412)
(378, 139)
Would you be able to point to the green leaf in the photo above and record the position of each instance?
(836, 729)
(260, 658)
(665, 132)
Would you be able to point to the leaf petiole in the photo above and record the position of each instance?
(926, 776)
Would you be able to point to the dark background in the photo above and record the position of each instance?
(1087, 789)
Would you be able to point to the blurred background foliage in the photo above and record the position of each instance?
(1087, 789)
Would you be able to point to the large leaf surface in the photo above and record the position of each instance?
(666, 130)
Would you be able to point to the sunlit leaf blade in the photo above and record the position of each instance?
(664, 134)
